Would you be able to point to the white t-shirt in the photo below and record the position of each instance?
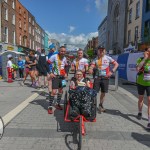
(9, 64)
(81, 64)
(103, 64)
(58, 65)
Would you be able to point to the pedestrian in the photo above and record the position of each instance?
(143, 82)
(101, 80)
(58, 76)
(52, 51)
(21, 64)
(43, 68)
(9, 69)
(80, 63)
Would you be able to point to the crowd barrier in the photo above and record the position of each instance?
(127, 65)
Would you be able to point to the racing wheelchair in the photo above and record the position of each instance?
(80, 117)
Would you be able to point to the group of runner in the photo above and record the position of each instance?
(80, 64)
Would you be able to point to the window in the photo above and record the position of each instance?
(147, 28)
(137, 9)
(29, 19)
(24, 14)
(14, 37)
(33, 44)
(6, 35)
(33, 32)
(5, 13)
(20, 40)
(19, 10)
(130, 15)
(24, 26)
(147, 5)
(136, 34)
(33, 22)
(19, 23)
(129, 36)
(13, 19)
(13, 4)
(30, 43)
(30, 30)
(131, 1)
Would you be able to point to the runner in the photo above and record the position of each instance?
(58, 76)
(101, 63)
(52, 52)
(143, 83)
(80, 63)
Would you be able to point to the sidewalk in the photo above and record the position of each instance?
(117, 129)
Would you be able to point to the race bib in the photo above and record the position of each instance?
(146, 77)
(102, 72)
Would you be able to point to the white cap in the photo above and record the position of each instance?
(9, 56)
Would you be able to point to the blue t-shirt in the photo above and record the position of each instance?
(21, 63)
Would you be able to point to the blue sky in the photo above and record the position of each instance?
(69, 21)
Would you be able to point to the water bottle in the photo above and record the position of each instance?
(63, 83)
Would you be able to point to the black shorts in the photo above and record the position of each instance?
(101, 83)
(42, 73)
(57, 82)
(142, 89)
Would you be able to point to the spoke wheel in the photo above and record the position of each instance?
(65, 102)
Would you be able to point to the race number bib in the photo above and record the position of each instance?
(102, 72)
(146, 76)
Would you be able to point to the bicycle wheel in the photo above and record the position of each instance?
(80, 133)
(65, 102)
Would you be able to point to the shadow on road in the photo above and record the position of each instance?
(126, 116)
(142, 138)
(62, 126)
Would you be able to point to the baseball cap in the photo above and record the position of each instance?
(101, 47)
(51, 46)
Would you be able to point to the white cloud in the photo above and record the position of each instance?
(102, 6)
(71, 29)
(72, 41)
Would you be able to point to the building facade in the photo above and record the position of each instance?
(116, 27)
(8, 30)
(134, 22)
(146, 23)
(31, 29)
(102, 32)
(22, 26)
(46, 39)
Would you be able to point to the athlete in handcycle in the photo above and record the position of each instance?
(80, 105)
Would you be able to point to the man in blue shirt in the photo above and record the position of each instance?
(52, 51)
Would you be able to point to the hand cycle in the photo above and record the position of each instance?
(80, 118)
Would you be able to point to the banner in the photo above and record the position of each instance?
(122, 69)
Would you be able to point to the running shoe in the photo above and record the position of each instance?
(57, 106)
(139, 116)
(101, 108)
(50, 110)
(148, 125)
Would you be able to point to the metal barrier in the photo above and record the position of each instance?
(113, 84)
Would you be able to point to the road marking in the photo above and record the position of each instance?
(9, 116)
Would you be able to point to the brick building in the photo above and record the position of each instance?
(22, 27)
(8, 31)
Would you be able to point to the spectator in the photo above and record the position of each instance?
(143, 83)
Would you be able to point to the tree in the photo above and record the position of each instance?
(90, 52)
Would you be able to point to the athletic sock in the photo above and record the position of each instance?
(59, 95)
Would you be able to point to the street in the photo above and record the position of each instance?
(32, 128)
